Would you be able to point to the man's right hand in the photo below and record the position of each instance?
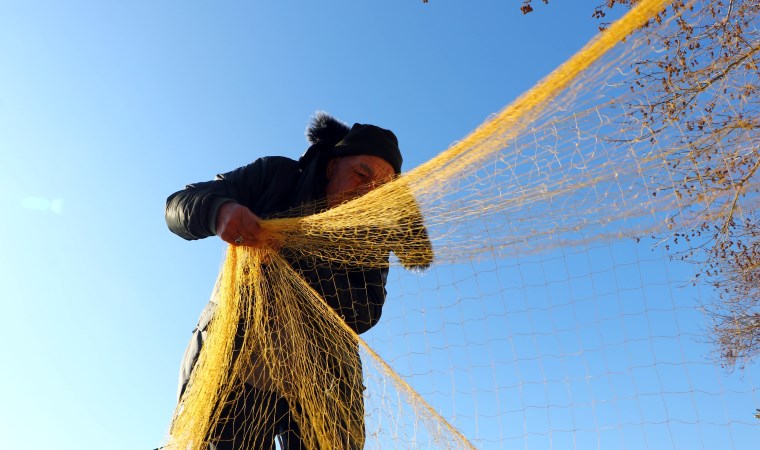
(237, 225)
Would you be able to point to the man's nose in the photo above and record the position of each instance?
(368, 187)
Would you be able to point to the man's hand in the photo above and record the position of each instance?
(237, 225)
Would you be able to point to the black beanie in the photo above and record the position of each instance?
(370, 140)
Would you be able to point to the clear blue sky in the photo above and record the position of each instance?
(107, 107)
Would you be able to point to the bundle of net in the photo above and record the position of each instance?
(555, 168)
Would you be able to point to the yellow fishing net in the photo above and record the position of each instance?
(553, 174)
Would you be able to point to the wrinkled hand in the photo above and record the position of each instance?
(237, 225)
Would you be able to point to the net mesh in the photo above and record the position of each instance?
(541, 319)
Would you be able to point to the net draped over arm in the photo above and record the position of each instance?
(356, 294)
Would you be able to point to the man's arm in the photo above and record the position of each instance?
(222, 206)
(366, 298)
(357, 295)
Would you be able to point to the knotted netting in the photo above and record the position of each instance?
(539, 320)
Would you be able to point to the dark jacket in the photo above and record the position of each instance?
(269, 187)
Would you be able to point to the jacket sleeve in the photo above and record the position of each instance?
(365, 298)
(191, 212)
(356, 294)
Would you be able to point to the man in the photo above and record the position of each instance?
(340, 164)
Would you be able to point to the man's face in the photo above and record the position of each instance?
(349, 177)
